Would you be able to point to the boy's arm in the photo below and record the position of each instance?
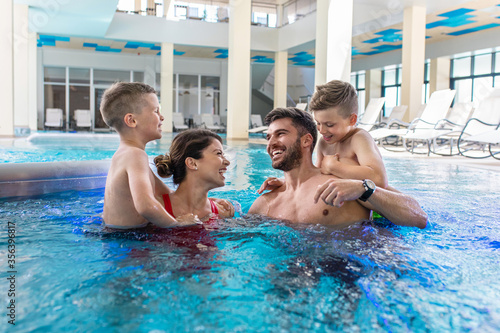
(399, 208)
(143, 195)
(370, 162)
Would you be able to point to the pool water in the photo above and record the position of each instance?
(250, 274)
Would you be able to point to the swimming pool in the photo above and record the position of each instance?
(250, 274)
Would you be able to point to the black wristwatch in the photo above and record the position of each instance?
(369, 189)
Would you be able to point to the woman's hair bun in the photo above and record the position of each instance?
(164, 165)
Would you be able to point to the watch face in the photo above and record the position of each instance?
(370, 184)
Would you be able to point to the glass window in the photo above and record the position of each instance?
(54, 74)
(353, 79)
(79, 99)
(361, 81)
(361, 101)
(497, 81)
(482, 64)
(109, 77)
(188, 95)
(389, 77)
(138, 76)
(79, 75)
(482, 87)
(464, 91)
(391, 99)
(497, 62)
(461, 67)
(55, 97)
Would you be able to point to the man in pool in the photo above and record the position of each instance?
(308, 196)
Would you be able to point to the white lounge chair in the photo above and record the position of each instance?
(482, 129)
(54, 118)
(218, 122)
(208, 122)
(446, 144)
(424, 130)
(197, 123)
(256, 124)
(178, 122)
(369, 119)
(83, 119)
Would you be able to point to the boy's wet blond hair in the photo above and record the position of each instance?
(122, 98)
(335, 93)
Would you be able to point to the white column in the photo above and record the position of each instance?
(21, 67)
(333, 40)
(413, 59)
(373, 85)
(238, 91)
(439, 77)
(32, 81)
(280, 78)
(167, 86)
(6, 70)
(137, 6)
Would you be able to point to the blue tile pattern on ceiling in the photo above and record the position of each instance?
(455, 18)
(302, 59)
(48, 40)
(223, 53)
(135, 45)
(263, 60)
(101, 48)
(388, 36)
(468, 31)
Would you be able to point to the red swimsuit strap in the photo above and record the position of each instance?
(168, 205)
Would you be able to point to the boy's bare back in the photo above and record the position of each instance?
(129, 169)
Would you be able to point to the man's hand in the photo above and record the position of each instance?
(226, 208)
(335, 192)
(270, 184)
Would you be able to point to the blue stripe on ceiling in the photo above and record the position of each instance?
(475, 29)
(305, 63)
(178, 53)
(388, 36)
(455, 18)
(90, 45)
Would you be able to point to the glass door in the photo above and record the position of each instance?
(99, 124)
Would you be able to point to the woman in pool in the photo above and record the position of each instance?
(198, 164)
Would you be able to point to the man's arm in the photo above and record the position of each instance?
(143, 196)
(259, 206)
(399, 208)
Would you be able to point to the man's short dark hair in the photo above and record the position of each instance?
(301, 120)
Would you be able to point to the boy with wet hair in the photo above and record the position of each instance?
(133, 194)
(343, 149)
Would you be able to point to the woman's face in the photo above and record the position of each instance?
(213, 164)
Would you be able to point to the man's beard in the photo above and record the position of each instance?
(292, 158)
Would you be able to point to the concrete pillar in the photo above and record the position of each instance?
(137, 6)
(32, 81)
(238, 90)
(167, 86)
(413, 59)
(6, 70)
(151, 9)
(280, 78)
(333, 40)
(21, 67)
(373, 85)
(439, 77)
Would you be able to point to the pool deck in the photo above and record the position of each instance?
(486, 163)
